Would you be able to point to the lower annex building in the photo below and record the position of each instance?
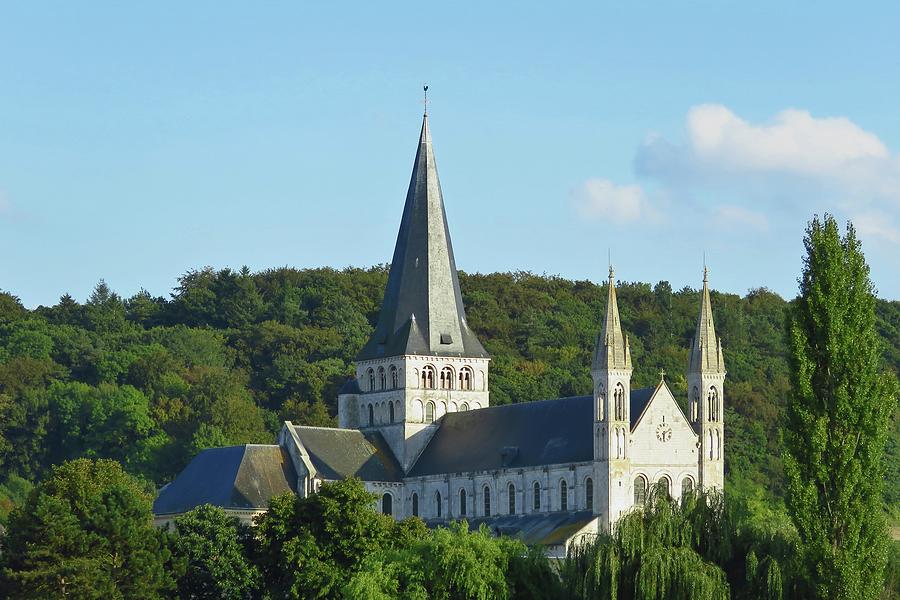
(417, 427)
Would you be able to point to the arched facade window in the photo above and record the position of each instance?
(438, 505)
(415, 504)
(640, 490)
(465, 378)
(447, 378)
(589, 494)
(536, 496)
(487, 501)
(382, 380)
(619, 396)
(695, 403)
(371, 374)
(687, 487)
(428, 377)
(391, 412)
(712, 404)
(387, 504)
(395, 380)
(511, 498)
(463, 497)
(371, 415)
(601, 401)
(563, 495)
(429, 412)
(665, 486)
(464, 406)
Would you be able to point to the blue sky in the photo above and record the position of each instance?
(137, 142)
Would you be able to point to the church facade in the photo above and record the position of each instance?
(416, 424)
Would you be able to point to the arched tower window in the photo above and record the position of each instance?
(601, 400)
(438, 505)
(589, 493)
(387, 504)
(447, 378)
(394, 379)
(487, 501)
(511, 497)
(665, 486)
(620, 402)
(687, 487)
(709, 440)
(415, 504)
(371, 374)
(536, 496)
(718, 444)
(563, 495)
(695, 403)
(391, 412)
(640, 490)
(462, 502)
(428, 377)
(371, 415)
(465, 378)
(382, 380)
(429, 412)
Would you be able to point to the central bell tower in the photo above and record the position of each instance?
(422, 360)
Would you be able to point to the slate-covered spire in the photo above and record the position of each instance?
(706, 348)
(612, 351)
(423, 310)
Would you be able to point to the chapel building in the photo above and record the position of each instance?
(417, 427)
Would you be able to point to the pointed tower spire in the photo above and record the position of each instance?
(612, 351)
(423, 280)
(706, 348)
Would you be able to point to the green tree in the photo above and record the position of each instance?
(837, 419)
(85, 532)
(213, 546)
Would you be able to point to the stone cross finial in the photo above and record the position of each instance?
(662, 374)
(425, 101)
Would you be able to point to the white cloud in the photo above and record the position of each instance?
(601, 198)
(877, 225)
(730, 215)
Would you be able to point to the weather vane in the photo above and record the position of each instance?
(425, 102)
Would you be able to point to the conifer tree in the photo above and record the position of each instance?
(837, 419)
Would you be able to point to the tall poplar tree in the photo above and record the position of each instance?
(837, 419)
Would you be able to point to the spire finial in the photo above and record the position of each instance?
(662, 374)
(425, 101)
(705, 270)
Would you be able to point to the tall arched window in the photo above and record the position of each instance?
(391, 412)
(589, 493)
(536, 496)
(695, 403)
(462, 502)
(665, 487)
(487, 501)
(563, 495)
(620, 402)
(395, 383)
(428, 377)
(709, 440)
(465, 378)
(371, 374)
(387, 504)
(640, 490)
(511, 497)
(429, 412)
(718, 444)
(438, 505)
(601, 400)
(715, 404)
(415, 504)
(382, 380)
(371, 415)
(687, 487)
(447, 378)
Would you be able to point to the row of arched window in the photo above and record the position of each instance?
(487, 499)
(618, 402)
(379, 379)
(382, 412)
(378, 413)
(664, 484)
(448, 379)
(713, 406)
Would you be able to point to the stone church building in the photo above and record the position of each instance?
(416, 424)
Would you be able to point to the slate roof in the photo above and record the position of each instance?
(351, 386)
(545, 529)
(423, 312)
(342, 453)
(529, 434)
(241, 477)
(639, 400)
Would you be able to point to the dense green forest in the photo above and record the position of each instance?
(150, 381)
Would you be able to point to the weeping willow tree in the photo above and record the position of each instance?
(693, 549)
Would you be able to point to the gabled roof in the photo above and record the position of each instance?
(423, 312)
(640, 400)
(239, 477)
(529, 434)
(342, 453)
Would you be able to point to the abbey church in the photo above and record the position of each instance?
(416, 424)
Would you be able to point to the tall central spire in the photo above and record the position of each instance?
(612, 351)
(423, 310)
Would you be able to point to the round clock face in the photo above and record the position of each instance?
(663, 432)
